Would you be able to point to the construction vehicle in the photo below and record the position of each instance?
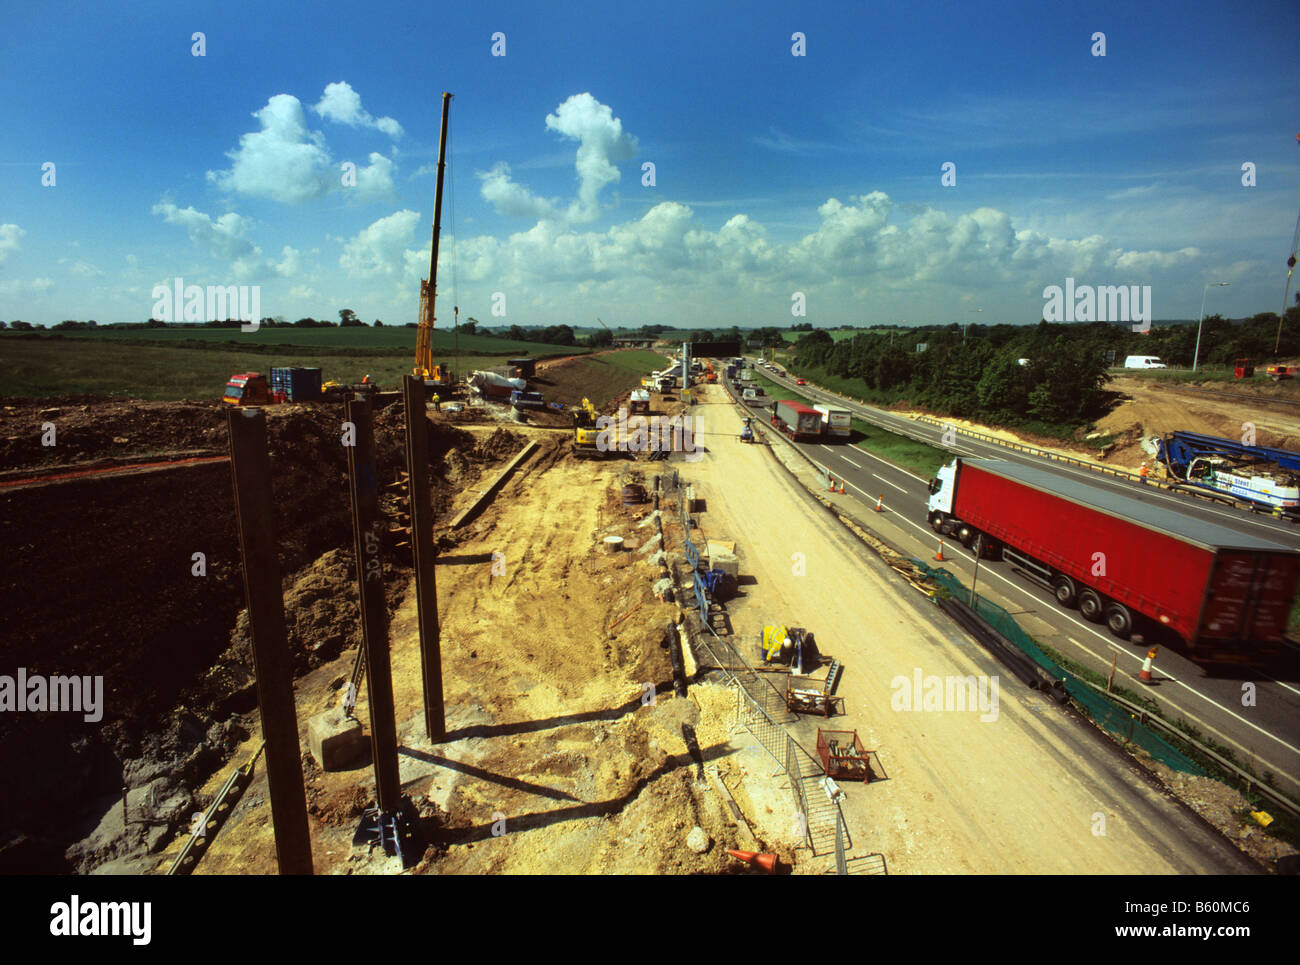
(247, 388)
(1243, 368)
(1279, 372)
(434, 376)
(585, 434)
(1124, 560)
(747, 433)
(710, 374)
(639, 403)
(1258, 477)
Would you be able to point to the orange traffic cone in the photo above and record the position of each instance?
(1145, 674)
(841, 485)
(880, 503)
(939, 555)
(766, 862)
(832, 482)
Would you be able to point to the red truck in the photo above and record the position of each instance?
(1122, 559)
(797, 420)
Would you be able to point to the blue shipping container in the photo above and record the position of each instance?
(298, 384)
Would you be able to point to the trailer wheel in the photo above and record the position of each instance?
(1119, 620)
(1066, 592)
(1090, 606)
(966, 534)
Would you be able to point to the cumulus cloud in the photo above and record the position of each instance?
(601, 143)
(375, 181)
(10, 234)
(225, 237)
(380, 248)
(284, 161)
(341, 104)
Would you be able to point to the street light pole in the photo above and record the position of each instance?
(1197, 354)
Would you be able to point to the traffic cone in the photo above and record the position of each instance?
(939, 555)
(841, 485)
(1145, 674)
(832, 480)
(766, 862)
(880, 503)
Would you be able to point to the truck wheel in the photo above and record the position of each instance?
(1090, 607)
(1066, 592)
(936, 522)
(1119, 620)
(965, 534)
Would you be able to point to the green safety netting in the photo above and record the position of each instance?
(1117, 719)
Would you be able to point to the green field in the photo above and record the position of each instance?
(917, 457)
(331, 341)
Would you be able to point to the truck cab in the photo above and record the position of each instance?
(247, 388)
(939, 506)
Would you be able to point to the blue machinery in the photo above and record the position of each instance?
(1262, 476)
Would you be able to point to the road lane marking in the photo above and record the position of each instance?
(888, 483)
(850, 461)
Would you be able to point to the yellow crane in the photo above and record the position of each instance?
(433, 375)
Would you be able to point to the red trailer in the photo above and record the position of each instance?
(1121, 558)
(797, 420)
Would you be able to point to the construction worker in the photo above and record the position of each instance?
(365, 379)
(437, 403)
(1143, 473)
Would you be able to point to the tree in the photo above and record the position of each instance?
(600, 339)
(378, 323)
(21, 326)
(348, 319)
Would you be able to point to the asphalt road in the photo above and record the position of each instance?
(1265, 734)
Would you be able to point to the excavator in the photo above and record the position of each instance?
(585, 433)
(434, 376)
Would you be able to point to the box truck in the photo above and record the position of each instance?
(1123, 560)
(836, 423)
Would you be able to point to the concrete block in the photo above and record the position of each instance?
(726, 562)
(336, 741)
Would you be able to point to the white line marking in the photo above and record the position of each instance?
(888, 483)
(850, 461)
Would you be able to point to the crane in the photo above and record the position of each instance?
(433, 375)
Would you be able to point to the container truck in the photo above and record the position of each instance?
(797, 420)
(1121, 559)
(296, 384)
(836, 423)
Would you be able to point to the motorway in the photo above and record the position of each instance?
(1265, 734)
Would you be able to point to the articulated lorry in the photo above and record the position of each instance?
(1123, 560)
(797, 420)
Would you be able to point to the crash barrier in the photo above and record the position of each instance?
(1036, 451)
(1106, 713)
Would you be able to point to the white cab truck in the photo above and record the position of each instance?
(836, 423)
(1144, 362)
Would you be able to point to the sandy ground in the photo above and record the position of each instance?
(1026, 793)
(567, 751)
(1148, 408)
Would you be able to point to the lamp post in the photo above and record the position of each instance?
(1197, 354)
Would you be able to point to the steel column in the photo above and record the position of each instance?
(250, 468)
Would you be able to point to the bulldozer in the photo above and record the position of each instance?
(585, 433)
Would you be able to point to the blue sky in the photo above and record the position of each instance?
(774, 173)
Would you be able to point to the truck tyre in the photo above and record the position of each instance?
(1066, 592)
(936, 522)
(1090, 606)
(966, 534)
(1119, 620)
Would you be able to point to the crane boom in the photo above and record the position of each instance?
(424, 367)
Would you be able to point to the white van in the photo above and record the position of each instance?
(1144, 362)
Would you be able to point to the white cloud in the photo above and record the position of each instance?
(601, 142)
(380, 248)
(225, 238)
(289, 262)
(41, 285)
(9, 237)
(341, 104)
(284, 161)
(375, 181)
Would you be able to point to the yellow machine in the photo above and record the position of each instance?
(585, 433)
(433, 375)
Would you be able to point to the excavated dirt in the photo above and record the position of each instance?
(100, 578)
